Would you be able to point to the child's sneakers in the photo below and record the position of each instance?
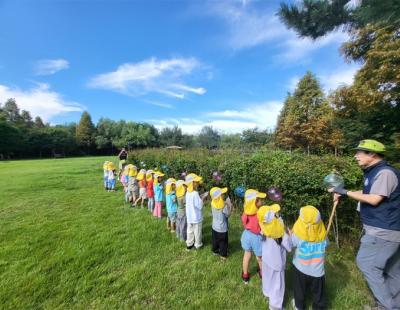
(245, 278)
(189, 248)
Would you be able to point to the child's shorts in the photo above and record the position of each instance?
(142, 193)
(172, 217)
(251, 242)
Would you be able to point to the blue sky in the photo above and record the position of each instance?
(227, 64)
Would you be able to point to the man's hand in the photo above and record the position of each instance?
(338, 190)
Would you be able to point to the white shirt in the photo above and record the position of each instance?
(111, 175)
(194, 206)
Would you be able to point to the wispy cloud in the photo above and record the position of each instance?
(295, 48)
(249, 26)
(341, 76)
(50, 66)
(151, 76)
(40, 101)
(329, 82)
(261, 115)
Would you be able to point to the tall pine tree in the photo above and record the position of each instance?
(85, 132)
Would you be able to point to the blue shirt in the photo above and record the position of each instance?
(172, 205)
(309, 257)
(158, 192)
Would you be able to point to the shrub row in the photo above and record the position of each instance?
(299, 177)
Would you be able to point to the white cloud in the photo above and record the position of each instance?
(150, 76)
(40, 101)
(296, 48)
(249, 26)
(261, 115)
(342, 76)
(50, 66)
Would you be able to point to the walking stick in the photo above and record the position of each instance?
(335, 203)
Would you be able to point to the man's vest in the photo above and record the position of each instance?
(386, 215)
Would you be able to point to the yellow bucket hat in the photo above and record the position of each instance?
(149, 175)
(190, 178)
(180, 188)
(271, 225)
(105, 165)
(110, 166)
(132, 171)
(140, 176)
(309, 226)
(156, 175)
(168, 185)
(250, 197)
(216, 197)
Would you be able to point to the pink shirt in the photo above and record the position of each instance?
(250, 222)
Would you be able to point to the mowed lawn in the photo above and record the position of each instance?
(65, 243)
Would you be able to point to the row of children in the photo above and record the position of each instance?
(264, 232)
(266, 236)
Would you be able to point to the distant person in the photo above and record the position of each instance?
(111, 176)
(150, 190)
(310, 240)
(379, 201)
(141, 177)
(221, 209)
(251, 236)
(123, 157)
(171, 204)
(133, 187)
(158, 194)
(105, 175)
(181, 224)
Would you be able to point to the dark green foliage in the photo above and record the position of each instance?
(298, 176)
(209, 138)
(171, 136)
(11, 141)
(85, 131)
(315, 18)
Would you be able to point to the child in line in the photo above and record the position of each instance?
(150, 190)
(221, 210)
(309, 238)
(124, 181)
(132, 185)
(194, 206)
(111, 177)
(142, 187)
(158, 193)
(251, 237)
(275, 243)
(171, 204)
(105, 175)
(181, 212)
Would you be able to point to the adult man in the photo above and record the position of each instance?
(122, 156)
(379, 255)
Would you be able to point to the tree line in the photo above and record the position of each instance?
(24, 137)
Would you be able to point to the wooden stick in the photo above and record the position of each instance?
(335, 203)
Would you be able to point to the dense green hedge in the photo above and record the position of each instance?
(299, 177)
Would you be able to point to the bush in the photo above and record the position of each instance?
(299, 177)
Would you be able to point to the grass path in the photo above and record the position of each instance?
(65, 243)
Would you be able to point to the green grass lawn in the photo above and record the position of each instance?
(66, 243)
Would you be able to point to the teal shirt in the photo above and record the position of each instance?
(171, 203)
(158, 192)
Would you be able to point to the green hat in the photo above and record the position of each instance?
(371, 146)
